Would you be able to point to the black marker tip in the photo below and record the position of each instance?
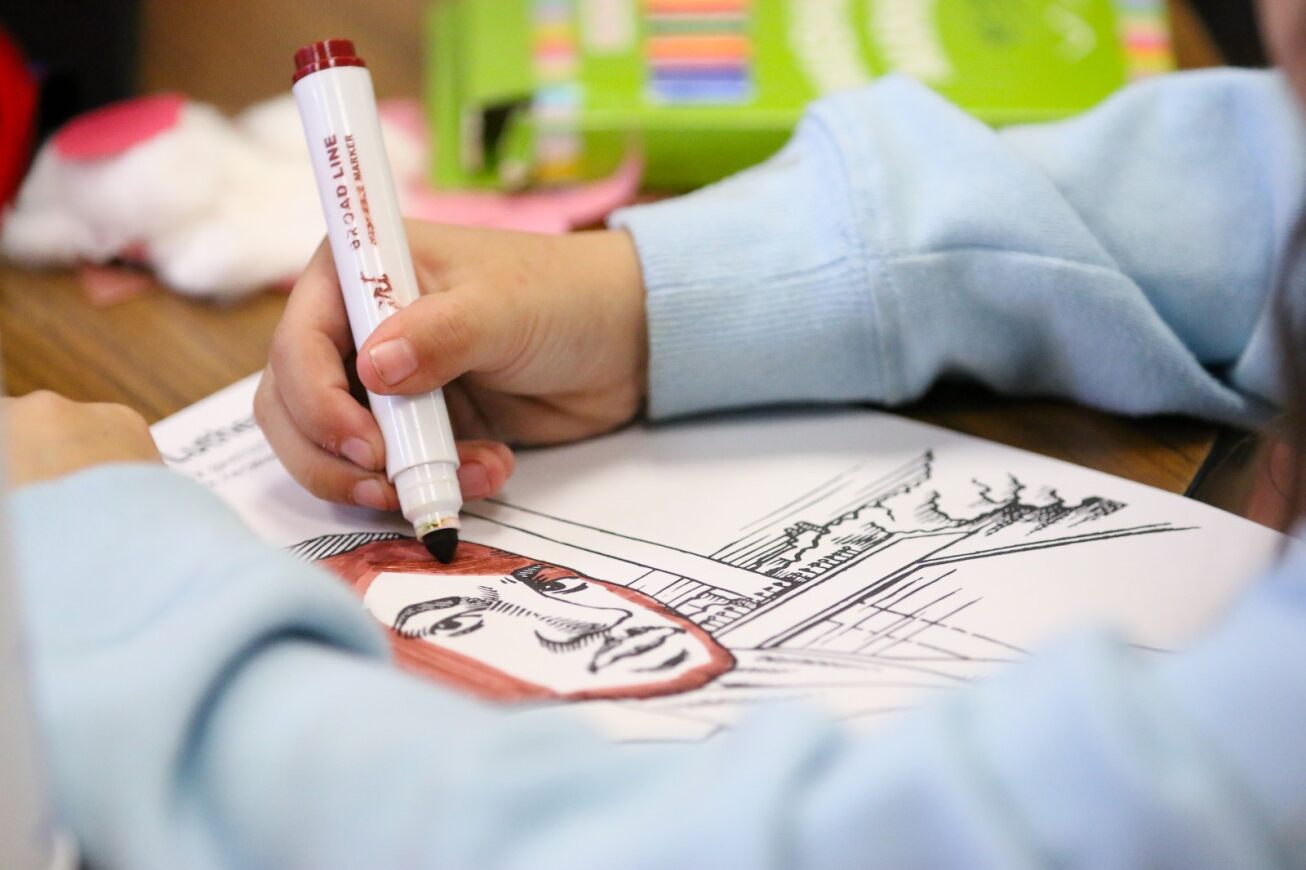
(442, 544)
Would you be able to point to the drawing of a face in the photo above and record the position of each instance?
(510, 627)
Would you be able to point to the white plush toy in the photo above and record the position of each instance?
(218, 206)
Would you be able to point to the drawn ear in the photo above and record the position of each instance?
(528, 573)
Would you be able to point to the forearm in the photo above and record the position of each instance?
(1123, 259)
(146, 596)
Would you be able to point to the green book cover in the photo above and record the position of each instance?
(550, 91)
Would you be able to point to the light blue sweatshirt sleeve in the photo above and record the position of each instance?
(1122, 259)
(212, 703)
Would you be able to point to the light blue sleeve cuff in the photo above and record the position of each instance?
(758, 289)
(896, 240)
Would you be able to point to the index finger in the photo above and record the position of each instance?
(308, 358)
(315, 304)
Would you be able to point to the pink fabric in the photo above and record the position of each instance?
(113, 129)
(554, 210)
(539, 211)
(406, 114)
(112, 285)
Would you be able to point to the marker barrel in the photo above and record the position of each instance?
(366, 232)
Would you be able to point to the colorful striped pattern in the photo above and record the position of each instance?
(559, 97)
(1145, 35)
(698, 51)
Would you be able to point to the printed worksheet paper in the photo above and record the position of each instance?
(665, 579)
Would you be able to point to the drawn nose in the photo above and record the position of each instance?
(566, 620)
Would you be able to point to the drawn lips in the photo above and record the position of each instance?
(633, 642)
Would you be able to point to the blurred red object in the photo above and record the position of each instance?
(17, 116)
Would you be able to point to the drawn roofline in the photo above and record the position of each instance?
(824, 530)
(824, 598)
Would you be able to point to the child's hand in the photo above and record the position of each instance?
(537, 339)
(49, 436)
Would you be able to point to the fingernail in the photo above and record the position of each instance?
(370, 493)
(394, 360)
(359, 452)
(473, 480)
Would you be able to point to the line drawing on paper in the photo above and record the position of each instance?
(511, 627)
(853, 589)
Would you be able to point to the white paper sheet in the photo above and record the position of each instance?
(665, 579)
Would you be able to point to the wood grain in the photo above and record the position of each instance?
(1164, 452)
(158, 353)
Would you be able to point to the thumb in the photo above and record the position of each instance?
(427, 344)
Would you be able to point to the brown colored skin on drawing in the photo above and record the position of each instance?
(361, 566)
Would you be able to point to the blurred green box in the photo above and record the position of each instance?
(549, 91)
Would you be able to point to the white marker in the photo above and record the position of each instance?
(338, 108)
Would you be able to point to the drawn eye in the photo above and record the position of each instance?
(564, 586)
(455, 626)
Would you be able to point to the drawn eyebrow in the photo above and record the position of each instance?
(420, 607)
(526, 574)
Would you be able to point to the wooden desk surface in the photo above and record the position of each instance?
(162, 352)
(157, 353)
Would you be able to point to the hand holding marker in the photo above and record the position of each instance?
(336, 103)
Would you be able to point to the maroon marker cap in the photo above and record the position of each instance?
(324, 55)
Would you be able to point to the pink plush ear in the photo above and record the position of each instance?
(535, 211)
(406, 114)
(111, 130)
(112, 285)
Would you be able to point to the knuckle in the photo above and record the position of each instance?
(454, 331)
(324, 425)
(282, 348)
(49, 406)
(324, 482)
(131, 419)
(126, 412)
(262, 402)
(116, 417)
(45, 399)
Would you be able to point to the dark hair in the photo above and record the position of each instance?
(1290, 326)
